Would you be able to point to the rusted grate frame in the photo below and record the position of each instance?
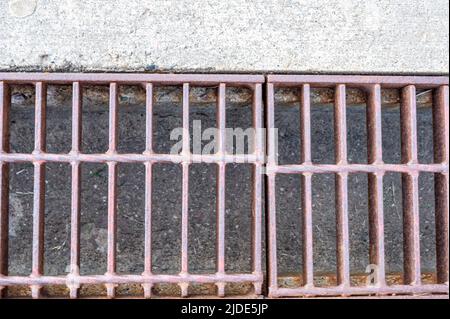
(410, 169)
(39, 157)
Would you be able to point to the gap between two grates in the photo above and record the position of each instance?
(376, 169)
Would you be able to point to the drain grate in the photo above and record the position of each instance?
(262, 162)
(375, 168)
(39, 157)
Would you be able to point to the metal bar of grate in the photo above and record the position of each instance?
(39, 157)
(306, 186)
(221, 189)
(441, 155)
(185, 191)
(76, 189)
(376, 207)
(410, 168)
(259, 150)
(39, 187)
(342, 236)
(5, 100)
(410, 187)
(148, 190)
(271, 225)
(112, 189)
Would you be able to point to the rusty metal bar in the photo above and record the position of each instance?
(39, 187)
(357, 80)
(40, 118)
(112, 225)
(306, 186)
(340, 125)
(271, 213)
(341, 181)
(148, 227)
(287, 292)
(129, 158)
(107, 78)
(271, 193)
(76, 117)
(307, 227)
(410, 188)
(185, 193)
(305, 124)
(186, 137)
(375, 184)
(38, 226)
(374, 129)
(75, 227)
(220, 188)
(178, 158)
(4, 220)
(113, 117)
(361, 291)
(138, 158)
(220, 226)
(257, 187)
(128, 279)
(149, 118)
(76, 187)
(342, 235)
(376, 227)
(5, 104)
(281, 169)
(441, 155)
(112, 188)
(148, 189)
(409, 125)
(359, 168)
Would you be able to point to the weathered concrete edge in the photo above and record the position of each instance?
(74, 69)
(353, 36)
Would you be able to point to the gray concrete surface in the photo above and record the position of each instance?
(385, 36)
(167, 193)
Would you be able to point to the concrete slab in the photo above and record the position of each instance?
(352, 36)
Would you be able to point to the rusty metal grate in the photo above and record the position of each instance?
(376, 168)
(39, 157)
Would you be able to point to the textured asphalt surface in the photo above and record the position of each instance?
(202, 227)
